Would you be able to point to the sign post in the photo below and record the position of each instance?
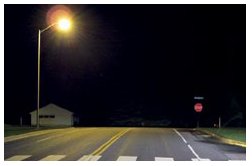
(198, 108)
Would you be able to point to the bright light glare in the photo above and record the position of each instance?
(64, 24)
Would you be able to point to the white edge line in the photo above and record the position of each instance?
(195, 154)
(180, 136)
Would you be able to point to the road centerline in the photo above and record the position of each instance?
(107, 144)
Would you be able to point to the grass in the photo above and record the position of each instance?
(10, 130)
(238, 134)
(15, 130)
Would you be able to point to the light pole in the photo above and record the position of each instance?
(63, 25)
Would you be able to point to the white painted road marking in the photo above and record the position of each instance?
(201, 159)
(180, 136)
(31, 134)
(89, 158)
(127, 158)
(164, 159)
(195, 154)
(96, 158)
(53, 158)
(41, 140)
(18, 158)
(189, 146)
(61, 135)
(36, 133)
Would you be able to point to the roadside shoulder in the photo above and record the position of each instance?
(222, 138)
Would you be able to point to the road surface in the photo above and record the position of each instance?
(115, 143)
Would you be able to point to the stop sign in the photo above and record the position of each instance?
(198, 107)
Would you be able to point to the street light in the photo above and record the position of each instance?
(64, 25)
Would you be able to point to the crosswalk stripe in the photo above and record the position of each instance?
(89, 158)
(200, 159)
(97, 157)
(18, 158)
(164, 159)
(53, 158)
(127, 158)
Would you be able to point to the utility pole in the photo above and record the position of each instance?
(21, 121)
(219, 122)
(38, 90)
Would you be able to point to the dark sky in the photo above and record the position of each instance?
(129, 61)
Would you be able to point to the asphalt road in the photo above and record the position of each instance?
(111, 144)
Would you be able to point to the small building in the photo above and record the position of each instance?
(53, 115)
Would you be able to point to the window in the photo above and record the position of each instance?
(46, 116)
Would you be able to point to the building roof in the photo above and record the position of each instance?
(52, 108)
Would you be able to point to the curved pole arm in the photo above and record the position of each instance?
(43, 30)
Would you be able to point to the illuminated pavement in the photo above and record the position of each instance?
(111, 143)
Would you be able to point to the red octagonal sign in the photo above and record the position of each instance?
(198, 107)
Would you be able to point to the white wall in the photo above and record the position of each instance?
(61, 118)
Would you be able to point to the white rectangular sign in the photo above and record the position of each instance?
(198, 97)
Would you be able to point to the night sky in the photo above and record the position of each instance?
(128, 64)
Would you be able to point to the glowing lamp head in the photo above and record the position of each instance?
(64, 24)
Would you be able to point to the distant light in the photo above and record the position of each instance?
(64, 24)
